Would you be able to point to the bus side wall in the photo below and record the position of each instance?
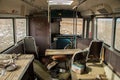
(112, 59)
(40, 30)
(19, 48)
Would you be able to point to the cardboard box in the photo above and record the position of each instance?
(78, 68)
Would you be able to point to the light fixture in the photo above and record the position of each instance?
(60, 2)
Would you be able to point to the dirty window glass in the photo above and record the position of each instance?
(20, 25)
(66, 26)
(104, 29)
(6, 34)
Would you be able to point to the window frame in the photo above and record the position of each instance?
(97, 29)
(14, 31)
(115, 34)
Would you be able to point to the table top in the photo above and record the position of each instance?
(23, 63)
(61, 51)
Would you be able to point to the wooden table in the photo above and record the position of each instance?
(61, 51)
(24, 63)
(94, 69)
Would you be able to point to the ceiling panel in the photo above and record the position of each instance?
(42, 5)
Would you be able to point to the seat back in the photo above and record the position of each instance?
(95, 49)
(78, 62)
(30, 46)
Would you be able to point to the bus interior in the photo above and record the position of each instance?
(69, 39)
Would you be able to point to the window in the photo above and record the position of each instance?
(104, 29)
(6, 34)
(79, 26)
(20, 25)
(66, 26)
(117, 38)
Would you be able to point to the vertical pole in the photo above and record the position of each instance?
(92, 28)
(113, 32)
(76, 29)
(73, 29)
(27, 26)
(87, 28)
(48, 12)
(49, 22)
(14, 32)
(83, 31)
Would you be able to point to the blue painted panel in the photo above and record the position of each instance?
(62, 42)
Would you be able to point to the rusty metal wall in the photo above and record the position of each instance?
(40, 30)
(112, 59)
(16, 49)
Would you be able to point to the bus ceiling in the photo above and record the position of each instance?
(85, 7)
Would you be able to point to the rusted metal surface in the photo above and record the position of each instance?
(112, 59)
(40, 30)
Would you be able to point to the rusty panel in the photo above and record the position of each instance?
(113, 60)
(117, 69)
(39, 29)
(17, 49)
(107, 55)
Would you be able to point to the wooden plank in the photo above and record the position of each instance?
(61, 51)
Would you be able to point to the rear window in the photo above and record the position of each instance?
(66, 26)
